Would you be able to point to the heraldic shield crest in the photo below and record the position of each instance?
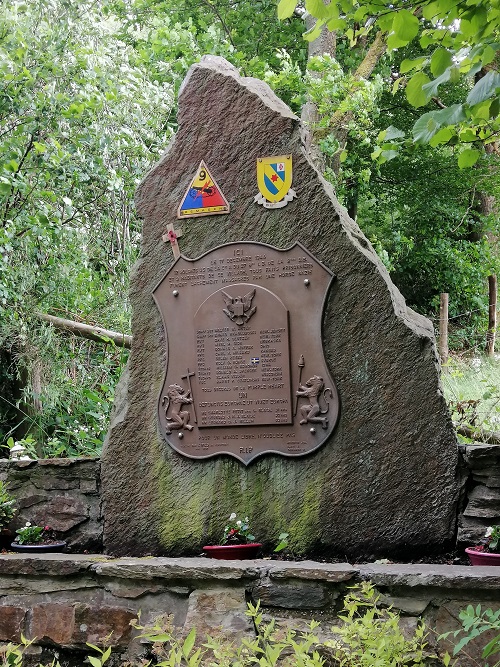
(245, 371)
(274, 178)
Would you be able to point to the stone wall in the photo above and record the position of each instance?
(63, 493)
(61, 601)
(482, 507)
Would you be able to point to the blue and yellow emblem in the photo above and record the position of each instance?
(274, 178)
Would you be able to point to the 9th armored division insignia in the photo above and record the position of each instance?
(274, 178)
(203, 196)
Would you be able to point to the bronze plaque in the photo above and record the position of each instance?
(246, 374)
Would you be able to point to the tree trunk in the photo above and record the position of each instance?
(339, 122)
(326, 43)
(88, 331)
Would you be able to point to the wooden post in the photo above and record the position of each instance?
(443, 328)
(492, 316)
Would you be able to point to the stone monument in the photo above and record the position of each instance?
(275, 370)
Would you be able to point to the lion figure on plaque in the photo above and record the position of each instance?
(176, 398)
(313, 390)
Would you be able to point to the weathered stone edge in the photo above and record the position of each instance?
(414, 576)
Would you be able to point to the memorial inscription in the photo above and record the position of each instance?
(235, 320)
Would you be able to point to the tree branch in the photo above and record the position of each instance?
(87, 331)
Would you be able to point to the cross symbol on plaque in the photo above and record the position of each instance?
(171, 236)
(188, 377)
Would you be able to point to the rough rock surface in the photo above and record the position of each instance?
(386, 482)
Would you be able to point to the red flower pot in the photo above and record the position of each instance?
(233, 551)
(482, 557)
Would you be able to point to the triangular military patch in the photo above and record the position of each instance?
(203, 196)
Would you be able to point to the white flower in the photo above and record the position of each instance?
(238, 523)
(27, 524)
(232, 517)
(489, 531)
(246, 519)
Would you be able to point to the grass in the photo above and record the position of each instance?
(472, 390)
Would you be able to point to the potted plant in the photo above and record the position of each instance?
(237, 543)
(488, 552)
(7, 511)
(37, 539)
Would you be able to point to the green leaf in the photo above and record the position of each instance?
(451, 115)
(486, 87)
(441, 137)
(425, 128)
(390, 154)
(314, 32)
(468, 158)
(415, 94)
(495, 107)
(189, 643)
(489, 54)
(441, 60)
(432, 87)
(416, 63)
(95, 662)
(286, 9)
(393, 133)
(336, 24)
(319, 10)
(405, 27)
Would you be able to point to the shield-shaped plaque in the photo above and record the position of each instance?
(274, 178)
(246, 373)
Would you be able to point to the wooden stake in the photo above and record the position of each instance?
(492, 316)
(443, 328)
(171, 236)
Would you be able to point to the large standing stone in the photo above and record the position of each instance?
(386, 481)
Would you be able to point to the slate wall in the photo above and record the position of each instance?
(482, 492)
(62, 493)
(63, 601)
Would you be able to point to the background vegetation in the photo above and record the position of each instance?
(87, 105)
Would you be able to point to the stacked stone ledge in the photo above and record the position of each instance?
(64, 601)
(482, 505)
(61, 493)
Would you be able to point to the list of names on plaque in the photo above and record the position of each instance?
(243, 372)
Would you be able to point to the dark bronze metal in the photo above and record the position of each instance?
(243, 325)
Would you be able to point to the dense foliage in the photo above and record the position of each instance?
(458, 39)
(80, 122)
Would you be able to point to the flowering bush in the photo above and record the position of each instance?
(33, 534)
(493, 536)
(490, 541)
(237, 531)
